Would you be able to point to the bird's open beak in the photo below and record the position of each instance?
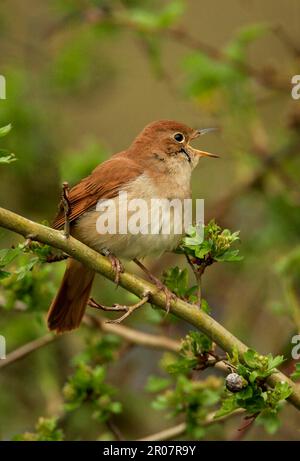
(202, 153)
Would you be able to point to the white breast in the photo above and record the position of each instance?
(145, 243)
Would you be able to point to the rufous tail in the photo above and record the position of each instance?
(68, 307)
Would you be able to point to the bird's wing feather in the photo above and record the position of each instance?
(105, 182)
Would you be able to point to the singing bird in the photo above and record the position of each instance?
(158, 164)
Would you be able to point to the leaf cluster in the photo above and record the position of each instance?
(87, 384)
(5, 155)
(256, 397)
(211, 244)
(193, 399)
(46, 430)
(194, 354)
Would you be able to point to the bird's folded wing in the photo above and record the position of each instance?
(105, 182)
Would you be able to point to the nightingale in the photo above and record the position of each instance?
(158, 163)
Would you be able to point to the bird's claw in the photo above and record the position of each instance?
(116, 264)
(170, 296)
(117, 267)
(120, 308)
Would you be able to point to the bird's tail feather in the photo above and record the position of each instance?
(68, 307)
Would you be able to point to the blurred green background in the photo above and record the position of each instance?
(83, 78)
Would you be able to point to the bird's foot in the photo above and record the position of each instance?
(170, 296)
(117, 266)
(120, 307)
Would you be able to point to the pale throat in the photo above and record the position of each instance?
(170, 178)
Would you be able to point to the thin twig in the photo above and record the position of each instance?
(131, 335)
(27, 349)
(180, 429)
(243, 430)
(115, 430)
(135, 336)
(167, 434)
(198, 276)
(282, 35)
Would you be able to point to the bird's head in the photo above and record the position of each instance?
(168, 138)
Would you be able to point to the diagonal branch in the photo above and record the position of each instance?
(188, 312)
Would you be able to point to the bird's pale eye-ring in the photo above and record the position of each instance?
(179, 137)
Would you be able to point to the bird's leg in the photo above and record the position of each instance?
(116, 264)
(120, 307)
(159, 284)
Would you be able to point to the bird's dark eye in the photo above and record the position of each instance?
(179, 137)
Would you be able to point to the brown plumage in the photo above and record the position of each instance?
(104, 182)
(155, 165)
(68, 306)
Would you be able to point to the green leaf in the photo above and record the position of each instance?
(23, 270)
(177, 281)
(172, 12)
(8, 255)
(296, 374)
(160, 403)
(165, 17)
(203, 250)
(6, 156)
(193, 241)
(236, 49)
(215, 245)
(205, 306)
(274, 362)
(4, 274)
(116, 407)
(234, 358)
(5, 130)
(182, 366)
(227, 407)
(157, 384)
(197, 432)
(251, 358)
(46, 431)
(244, 394)
(283, 390)
(269, 419)
(242, 370)
(195, 343)
(229, 256)
(252, 32)
(253, 375)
